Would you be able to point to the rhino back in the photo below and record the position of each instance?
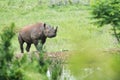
(28, 33)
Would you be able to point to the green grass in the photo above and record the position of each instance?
(66, 17)
(76, 34)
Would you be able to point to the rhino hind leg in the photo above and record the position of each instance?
(21, 43)
(28, 47)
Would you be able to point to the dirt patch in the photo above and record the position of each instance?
(113, 50)
(62, 55)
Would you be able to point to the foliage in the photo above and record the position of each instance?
(43, 63)
(51, 64)
(108, 12)
(6, 37)
(56, 69)
(7, 69)
(29, 66)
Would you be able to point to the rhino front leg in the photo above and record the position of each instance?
(28, 47)
(38, 45)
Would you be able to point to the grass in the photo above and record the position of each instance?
(66, 17)
(76, 34)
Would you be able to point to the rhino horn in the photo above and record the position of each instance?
(56, 29)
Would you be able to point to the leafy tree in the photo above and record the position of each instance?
(108, 12)
(7, 69)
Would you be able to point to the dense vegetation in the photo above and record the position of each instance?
(108, 12)
(94, 52)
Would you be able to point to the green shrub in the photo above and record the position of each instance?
(7, 69)
(108, 12)
(56, 69)
(43, 63)
(54, 65)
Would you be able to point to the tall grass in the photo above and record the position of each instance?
(7, 71)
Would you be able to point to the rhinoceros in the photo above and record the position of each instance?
(31, 34)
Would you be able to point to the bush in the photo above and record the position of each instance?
(7, 69)
(56, 69)
(54, 65)
(108, 12)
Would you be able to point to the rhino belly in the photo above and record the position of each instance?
(26, 38)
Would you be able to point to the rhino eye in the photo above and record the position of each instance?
(48, 31)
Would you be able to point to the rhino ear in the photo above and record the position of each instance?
(44, 25)
(56, 29)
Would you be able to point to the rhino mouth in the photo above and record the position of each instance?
(52, 36)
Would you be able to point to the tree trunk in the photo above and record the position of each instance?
(115, 33)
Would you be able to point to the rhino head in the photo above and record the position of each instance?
(50, 31)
